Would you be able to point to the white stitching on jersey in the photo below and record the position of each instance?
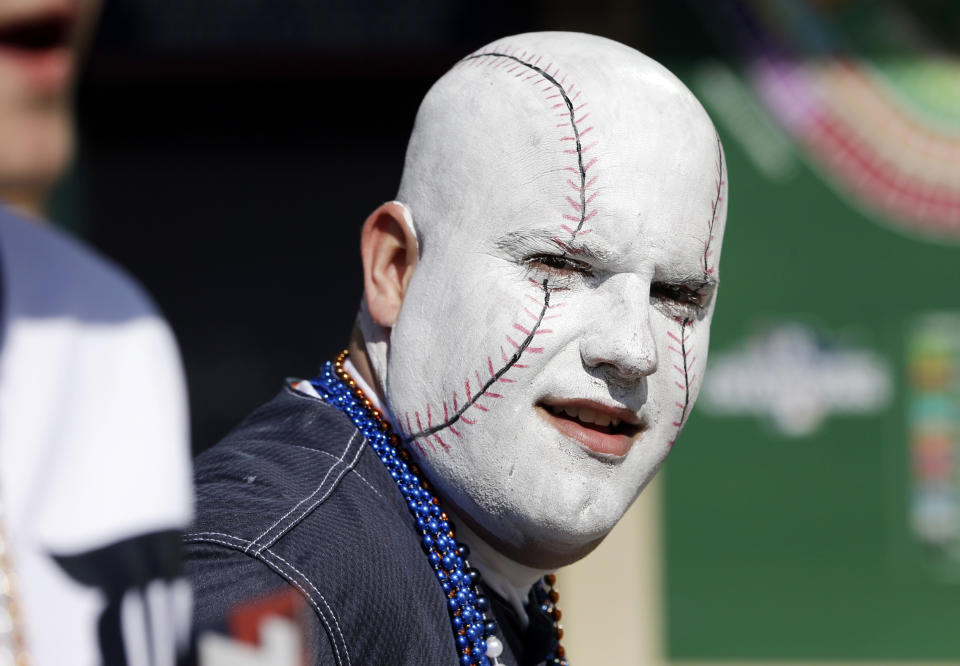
(324, 480)
(289, 577)
(333, 486)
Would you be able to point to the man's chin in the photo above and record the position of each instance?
(549, 535)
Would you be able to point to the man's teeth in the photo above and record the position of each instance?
(587, 415)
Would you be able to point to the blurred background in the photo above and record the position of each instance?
(229, 151)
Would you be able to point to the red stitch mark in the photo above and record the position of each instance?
(445, 415)
(442, 443)
(456, 432)
(553, 91)
(419, 446)
(592, 180)
(683, 370)
(409, 429)
(467, 421)
(715, 204)
(584, 232)
(429, 417)
(506, 380)
(419, 427)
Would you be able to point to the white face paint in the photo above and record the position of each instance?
(569, 198)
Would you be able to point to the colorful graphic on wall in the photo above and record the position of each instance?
(933, 412)
(873, 102)
(812, 510)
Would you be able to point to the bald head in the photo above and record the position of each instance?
(567, 202)
(501, 128)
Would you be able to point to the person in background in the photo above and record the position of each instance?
(94, 456)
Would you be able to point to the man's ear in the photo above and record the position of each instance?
(389, 248)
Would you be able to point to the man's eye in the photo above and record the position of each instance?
(557, 265)
(677, 293)
(678, 300)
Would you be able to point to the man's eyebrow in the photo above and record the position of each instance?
(695, 280)
(534, 240)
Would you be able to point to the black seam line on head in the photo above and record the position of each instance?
(686, 375)
(573, 124)
(716, 204)
(497, 375)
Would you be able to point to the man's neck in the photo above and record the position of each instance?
(508, 578)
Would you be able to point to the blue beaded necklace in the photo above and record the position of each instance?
(473, 632)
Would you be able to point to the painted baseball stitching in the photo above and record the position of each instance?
(527, 67)
(482, 387)
(686, 361)
(715, 205)
(680, 343)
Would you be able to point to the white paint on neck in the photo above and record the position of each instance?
(510, 579)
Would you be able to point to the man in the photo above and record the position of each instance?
(534, 328)
(94, 458)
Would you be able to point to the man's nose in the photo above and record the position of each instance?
(620, 343)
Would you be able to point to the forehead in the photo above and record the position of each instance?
(642, 187)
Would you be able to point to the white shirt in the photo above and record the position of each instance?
(93, 442)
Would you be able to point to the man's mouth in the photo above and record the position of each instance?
(37, 34)
(39, 45)
(601, 428)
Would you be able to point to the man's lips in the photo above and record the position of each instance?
(39, 46)
(601, 428)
